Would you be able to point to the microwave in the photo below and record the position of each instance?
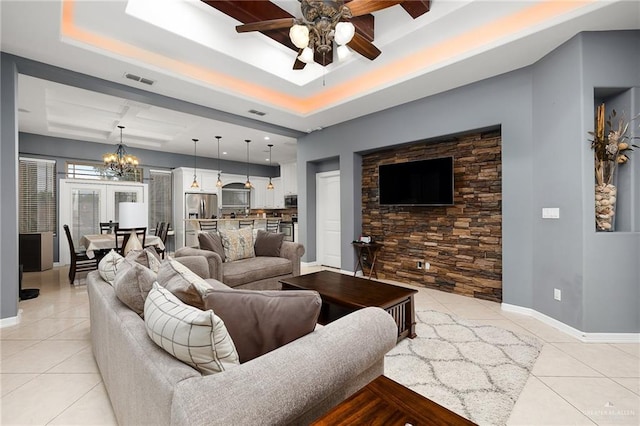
(290, 201)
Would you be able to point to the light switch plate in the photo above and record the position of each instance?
(550, 213)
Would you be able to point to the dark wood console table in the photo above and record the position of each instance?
(366, 252)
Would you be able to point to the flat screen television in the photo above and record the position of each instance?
(417, 183)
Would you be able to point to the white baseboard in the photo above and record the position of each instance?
(309, 264)
(574, 332)
(8, 322)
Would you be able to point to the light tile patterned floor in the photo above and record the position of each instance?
(48, 375)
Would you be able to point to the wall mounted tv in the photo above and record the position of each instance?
(417, 183)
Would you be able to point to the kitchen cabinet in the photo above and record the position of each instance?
(259, 192)
(289, 175)
(275, 196)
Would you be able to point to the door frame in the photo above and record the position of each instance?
(320, 177)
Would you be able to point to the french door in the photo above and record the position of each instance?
(83, 205)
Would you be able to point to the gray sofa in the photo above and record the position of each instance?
(293, 384)
(256, 273)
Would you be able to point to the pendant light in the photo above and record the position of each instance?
(194, 184)
(270, 184)
(219, 182)
(247, 184)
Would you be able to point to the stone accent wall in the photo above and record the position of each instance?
(463, 243)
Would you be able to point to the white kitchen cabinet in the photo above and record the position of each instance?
(289, 175)
(259, 192)
(275, 197)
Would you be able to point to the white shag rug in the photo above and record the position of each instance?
(477, 371)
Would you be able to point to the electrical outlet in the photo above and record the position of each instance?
(419, 265)
(427, 265)
(557, 294)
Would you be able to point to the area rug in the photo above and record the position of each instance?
(477, 371)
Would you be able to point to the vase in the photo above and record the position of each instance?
(606, 195)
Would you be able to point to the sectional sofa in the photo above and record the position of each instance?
(292, 384)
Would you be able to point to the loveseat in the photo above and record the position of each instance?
(254, 273)
(292, 384)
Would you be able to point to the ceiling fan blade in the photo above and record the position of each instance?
(298, 64)
(364, 47)
(362, 7)
(273, 24)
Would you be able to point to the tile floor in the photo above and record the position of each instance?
(48, 375)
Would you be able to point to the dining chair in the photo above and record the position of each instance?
(245, 223)
(107, 227)
(123, 234)
(80, 262)
(164, 231)
(273, 225)
(209, 226)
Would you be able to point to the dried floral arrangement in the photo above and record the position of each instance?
(612, 147)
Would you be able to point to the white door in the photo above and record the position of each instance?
(328, 239)
(83, 205)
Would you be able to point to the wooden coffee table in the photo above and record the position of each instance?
(342, 294)
(385, 402)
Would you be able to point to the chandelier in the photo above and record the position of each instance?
(320, 26)
(119, 161)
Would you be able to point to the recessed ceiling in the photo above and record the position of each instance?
(192, 52)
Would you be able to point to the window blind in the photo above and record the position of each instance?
(37, 195)
(160, 199)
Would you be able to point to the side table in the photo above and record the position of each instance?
(366, 252)
(386, 402)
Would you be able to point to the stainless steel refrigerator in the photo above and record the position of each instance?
(199, 205)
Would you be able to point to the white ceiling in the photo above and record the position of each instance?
(192, 52)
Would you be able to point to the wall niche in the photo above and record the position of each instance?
(463, 242)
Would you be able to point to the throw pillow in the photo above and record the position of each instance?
(268, 243)
(261, 321)
(211, 241)
(148, 258)
(195, 337)
(132, 284)
(237, 243)
(183, 283)
(108, 266)
(153, 258)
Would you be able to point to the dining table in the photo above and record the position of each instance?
(97, 242)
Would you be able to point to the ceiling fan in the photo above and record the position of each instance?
(324, 22)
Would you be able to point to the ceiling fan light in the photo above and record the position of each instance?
(343, 53)
(306, 56)
(344, 33)
(299, 35)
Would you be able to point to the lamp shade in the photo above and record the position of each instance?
(343, 53)
(344, 33)
(299, 35)
(306, 56)
(133, 215)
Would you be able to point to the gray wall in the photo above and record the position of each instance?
(611, 260)
(8, 191)
(544, 112)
